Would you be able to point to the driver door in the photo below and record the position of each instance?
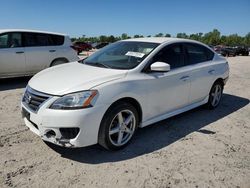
(167, 91)
(12, 55)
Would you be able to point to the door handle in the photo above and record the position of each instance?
(20, 52)
(211, 71)
(184, 78)
(52, 51)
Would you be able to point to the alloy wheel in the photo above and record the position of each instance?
(216, 95)
(122, 127)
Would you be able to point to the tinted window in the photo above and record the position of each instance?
(10, 40)
(173, 55)
(56, 40)
(41, 39)
(29, 39)
(197, 54)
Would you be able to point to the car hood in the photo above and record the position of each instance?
(73, 77)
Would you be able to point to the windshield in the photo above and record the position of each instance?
(121, 55)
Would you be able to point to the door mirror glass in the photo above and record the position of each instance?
(160, 67)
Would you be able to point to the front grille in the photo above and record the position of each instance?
(33, 99)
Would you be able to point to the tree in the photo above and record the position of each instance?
(247, 39)
(182, 35)
(111, 39)
(234, 40)
(197, 36)
(167, 35)
(103, 38)
(124, 36)
(212, 38)
(159, 35)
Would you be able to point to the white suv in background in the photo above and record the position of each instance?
(26, 52)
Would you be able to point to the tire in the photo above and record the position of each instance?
(215, 95)
(115, 133)
(58, 62)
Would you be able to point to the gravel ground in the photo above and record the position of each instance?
(200, 148)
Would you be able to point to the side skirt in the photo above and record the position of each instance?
(173, 113)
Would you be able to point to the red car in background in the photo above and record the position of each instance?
(81, 46)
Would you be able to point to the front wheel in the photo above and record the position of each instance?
(118, 126)
(215, 95)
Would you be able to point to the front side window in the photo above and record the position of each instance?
(4, 40)
(197, 53)
(121, 55)
(10, 40)
(172, 54)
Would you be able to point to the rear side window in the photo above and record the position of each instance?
(10, 40)
(197, 53)
(42, 39)
(56, 40)
(29, 39)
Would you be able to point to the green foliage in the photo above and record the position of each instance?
(167, 35)
(159, 35)
(182, 35)
(211, 38)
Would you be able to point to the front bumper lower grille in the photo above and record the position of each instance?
(69, 133)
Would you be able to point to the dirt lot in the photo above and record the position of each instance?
(200, 148)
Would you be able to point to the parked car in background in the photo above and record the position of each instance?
(241, 50)
(126, 85)
(26, 52)
(225, 51)
(228, 51)
(81, 46)
(100, 45)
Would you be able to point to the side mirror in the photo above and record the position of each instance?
(160, 67)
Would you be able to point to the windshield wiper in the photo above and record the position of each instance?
(98, 64)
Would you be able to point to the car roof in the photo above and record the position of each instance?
(160, 40)
(27, 30)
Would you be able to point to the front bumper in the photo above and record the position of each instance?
(46, 120)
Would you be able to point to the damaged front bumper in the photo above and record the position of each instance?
(67, 128)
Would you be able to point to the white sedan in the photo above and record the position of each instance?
(128, 84)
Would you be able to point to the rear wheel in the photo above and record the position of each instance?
(215, 95)
(118, 126)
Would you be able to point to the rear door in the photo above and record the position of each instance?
(12, 55)
(203, 70)
(37, 51)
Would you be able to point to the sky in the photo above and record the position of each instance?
(114, 17)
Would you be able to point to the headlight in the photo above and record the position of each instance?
(79, 100)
